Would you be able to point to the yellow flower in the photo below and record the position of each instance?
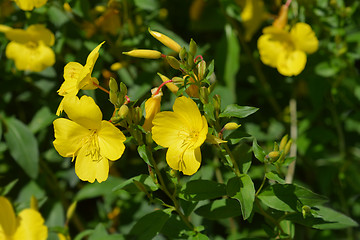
(78, 77)
(183, 131)
(87, 137)
(29, 225)
(252, 15)
(152, 107)
(286, 50)
(28, 5)
(30, 48)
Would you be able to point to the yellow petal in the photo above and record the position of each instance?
(71, 75)
(166, 128)
(33, 58)
(88, 169)
(252, 17)
(7, 219)
(39, 3)
(304, 38)
(31, 226)
(18, 35)
(291, 62)
(185, 160)
(111, 141)
(187, 110)
(152, 107)
(83, 111)
(39, 32)
(25, 5)
(269, 49)
(68, 137)
(202, 134)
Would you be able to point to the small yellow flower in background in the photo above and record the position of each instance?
(30, 48)
(286, 50)
(252, 15)
(87, 137)
(78, 77)
(28, 5)
(183, 131)
(152, 107)
(29, 225)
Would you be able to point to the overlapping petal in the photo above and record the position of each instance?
(111, 141)
(291, 62)
(31, 226)
(187, 110)
(304, 38)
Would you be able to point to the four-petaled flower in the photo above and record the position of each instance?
(78, 77)
(183, 131)
(30, 48)
(286, 50)
(87, 137)
(29, 225)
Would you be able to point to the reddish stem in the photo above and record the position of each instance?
(288, 3)
(198, 56)
(158, 90)
(127, 99)
(101, 88)
(163, 55)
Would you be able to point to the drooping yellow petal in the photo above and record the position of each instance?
(8, 222)
(31, 226)
(185, 160)
(291, 62)
(304, 38)
(201, 137)
(71, 76)
(88, 169)
(33, 57)
(166, 128)
(83, 111)
(111, 141)
(68, 137)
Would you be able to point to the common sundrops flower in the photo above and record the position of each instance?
(29, 225)
(78, 77)
(286, 50)
(28, 5)
(30, 48)
(183, 131)
(87, 137)
(152, 107)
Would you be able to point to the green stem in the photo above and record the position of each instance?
(235, 165)
(167, 192)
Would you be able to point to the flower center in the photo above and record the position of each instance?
(32, 44)
(91, 146)
(188, 137)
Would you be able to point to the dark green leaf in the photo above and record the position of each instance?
(144, 180)
(325, 69)
(150, 5)
(198, 190)
(234, 110)
(258, 151)
(100, 233)
(210, 69)
(242, 189)
(5, 190)
(42, 119)
(149, 225)
(289, 197)
(274, 176)
(243, 156)
(23, 146)
(145, 154)
(236, 136)
(57, 16)
(222, 208)
(97, 189)
(209, 111)
(323, 218)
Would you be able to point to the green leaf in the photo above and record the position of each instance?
(23, 146)
(325, 69)
(323, 218)
(149, 225)
(218, 209)
(145, 154)
(258, 151)
(289, 197)
(274, 176)
(210, 69)
(100, 233)
(243, 156)
(97, 189)
(57, 16)
(42, 119)
(198, 190)
(236, 136)
(242, 189)
(234, 110)
(130, 186)
(5, 190)
(209, 111)
(150, 5)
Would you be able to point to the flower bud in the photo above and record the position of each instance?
(168, 42)
(273, 154)
(171, 86)
(123, 111)
(144, 53)
(137, 115)
(306, 211)
(201, 67)
(192, 47)
(116, 66)
(174, 63)
(282, 19)
(113, 85)
(178, 80)
(283, 142)
(288, 146)
(231, 126)
(71, 210)
(204, 95)
(152, 107)
(190, 61)
(183, 54)
(217, 104)
(33, 203)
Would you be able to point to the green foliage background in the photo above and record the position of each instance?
(327, 94)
